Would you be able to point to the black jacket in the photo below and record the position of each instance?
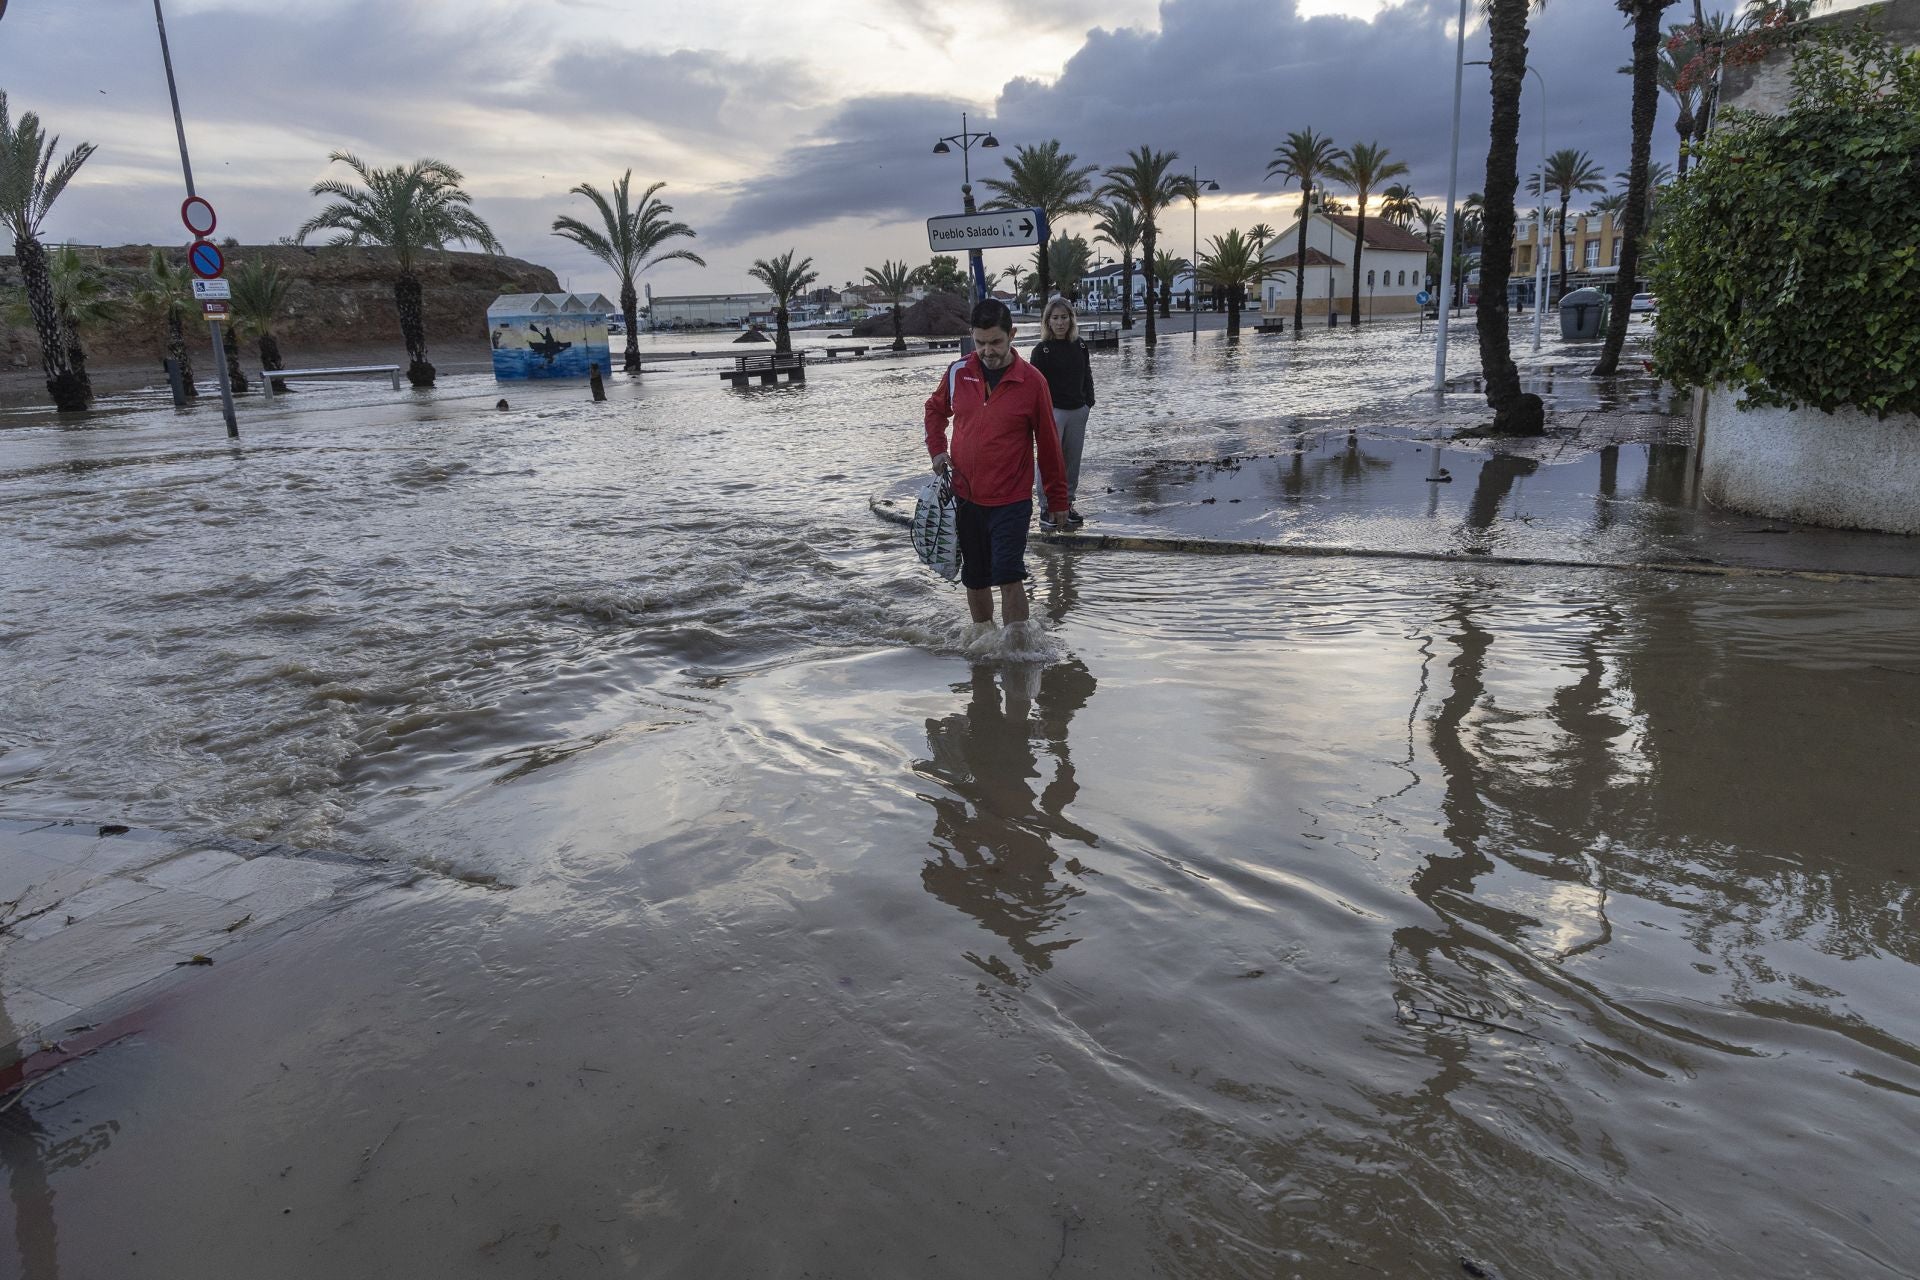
(1068, 371)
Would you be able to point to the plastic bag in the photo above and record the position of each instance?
(936, 529)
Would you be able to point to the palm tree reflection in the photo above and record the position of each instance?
(993, 832)
(23, 1151)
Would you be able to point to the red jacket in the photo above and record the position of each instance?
(995, 438)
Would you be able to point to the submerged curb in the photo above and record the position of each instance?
(888, 509)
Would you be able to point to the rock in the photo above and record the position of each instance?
(938, 315)
(753, 335)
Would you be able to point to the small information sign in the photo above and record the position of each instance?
(209, 290)
(215, 310)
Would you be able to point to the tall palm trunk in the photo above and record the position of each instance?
(782, 343)
(1300, 268)
(1148, 238)
(177, 352)
(1359, 247)
(77, 360)
(1234, 295)
(236, 376)
(270, 360)
(413, 328)
(1044, 270)
(899, 333)
(1126, 290)
(1646, 104)
(67, 386)
(1513, 412)
(630, 312)
(1684, 127)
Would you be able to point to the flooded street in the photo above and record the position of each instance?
(1275, 917)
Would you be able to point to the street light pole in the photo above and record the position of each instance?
(1333, 316)
(967, 138)
(1193, 268)
(186, 169)
(1540, 265)
(1453, 187)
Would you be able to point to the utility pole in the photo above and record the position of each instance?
(186, 169)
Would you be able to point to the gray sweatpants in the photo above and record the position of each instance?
(1072, 426)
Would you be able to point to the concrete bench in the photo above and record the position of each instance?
(272, 376)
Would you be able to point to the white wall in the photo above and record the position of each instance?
(1846, 469)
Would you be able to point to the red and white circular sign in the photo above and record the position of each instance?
(198, 215)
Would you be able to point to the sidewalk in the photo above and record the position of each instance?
(95, 920)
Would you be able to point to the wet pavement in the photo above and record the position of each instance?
(1257, 916)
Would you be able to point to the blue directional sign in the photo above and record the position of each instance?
(1423, 297)
(206, 260)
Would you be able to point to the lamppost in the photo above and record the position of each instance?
(1453, 187)
(1541, 279)
(1193, 268)
(1333, 316)
(967, 138)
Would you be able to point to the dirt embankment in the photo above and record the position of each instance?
(341, 299)
(938, 315)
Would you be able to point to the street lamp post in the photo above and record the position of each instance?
(967, 138)
(1193, 268)
(1453, 187)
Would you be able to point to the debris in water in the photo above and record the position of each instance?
(196, 960)
(114, 829)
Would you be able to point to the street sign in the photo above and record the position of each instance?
(1010, 229)
(212, 290)
(198, 215)
(215, 310)
(1423, 297)
(206, 260)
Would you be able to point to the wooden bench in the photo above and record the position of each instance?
(769, 367)
(1274, 324)
(834, 353)
(1098, 336)
(272, 376)
(943, 344)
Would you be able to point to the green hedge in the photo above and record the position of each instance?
(1789, 259)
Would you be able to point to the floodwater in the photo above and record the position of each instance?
(1299, 918)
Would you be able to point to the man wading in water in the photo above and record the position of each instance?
(1002, 417)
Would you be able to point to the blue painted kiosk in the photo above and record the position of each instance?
(548, 335)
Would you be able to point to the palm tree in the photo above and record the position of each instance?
(1645, 16)
(409, 210)
(1232, 263)
(1119, 226)
(1166, 270)
(1398, 205)
(1614, 202)
(1146, 183)
(1044, 178)
(259, 293)
(1365, 167)
(163, 297)
(626, 240)
(30, 181)
(1260, 235)
(1514, 413)
(81, 299)
(1675, 53)
(1659, 178)
(893, 279)
(1304, 158)
(1067, 259)
(786, 279)
(1568, 171)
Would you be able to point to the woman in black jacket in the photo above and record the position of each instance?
(1062, 358)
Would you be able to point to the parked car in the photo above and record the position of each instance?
(1642, 302)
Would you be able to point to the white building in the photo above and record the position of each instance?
(694, 309)
(1393, 267)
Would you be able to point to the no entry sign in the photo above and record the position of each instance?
(198, 215)
(206, 260)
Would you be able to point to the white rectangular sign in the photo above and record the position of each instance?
(1008, 229)
(212, 290)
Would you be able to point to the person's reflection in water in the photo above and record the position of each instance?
(23, 1150)
(993, 833)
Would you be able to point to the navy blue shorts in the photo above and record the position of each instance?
(993, 543)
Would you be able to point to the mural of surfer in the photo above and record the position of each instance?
(547, 348)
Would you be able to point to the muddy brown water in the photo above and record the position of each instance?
(1263, 918)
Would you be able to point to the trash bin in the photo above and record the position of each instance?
(1583, 314)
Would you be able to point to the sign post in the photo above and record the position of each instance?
(198, 217)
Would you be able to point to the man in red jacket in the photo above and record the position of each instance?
(1002, 416)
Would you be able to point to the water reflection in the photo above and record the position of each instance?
(23, 1152)
(1009, 778)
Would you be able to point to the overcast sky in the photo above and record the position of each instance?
(775, 123)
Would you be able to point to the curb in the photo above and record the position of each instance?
(887, 509)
